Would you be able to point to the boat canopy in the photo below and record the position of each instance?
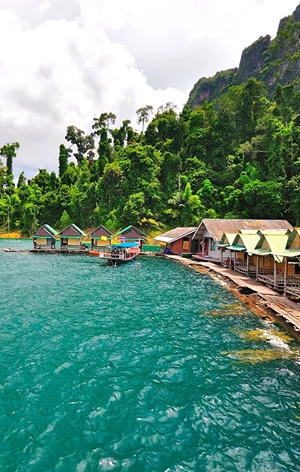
(124, 245)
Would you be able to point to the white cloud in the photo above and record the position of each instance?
(64, 63)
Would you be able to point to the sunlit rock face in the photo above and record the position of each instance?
(274, 62)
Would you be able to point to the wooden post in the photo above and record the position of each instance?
(285, 275)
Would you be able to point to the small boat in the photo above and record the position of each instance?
(9, 249)
(93, 252)
(120, 253)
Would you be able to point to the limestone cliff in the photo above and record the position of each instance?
(273, 62)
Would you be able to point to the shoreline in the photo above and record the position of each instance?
(14, 235)
(254, 300)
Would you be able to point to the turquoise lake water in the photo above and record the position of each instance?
(150, 366)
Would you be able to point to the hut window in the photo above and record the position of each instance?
(186, 243)
(212, 245)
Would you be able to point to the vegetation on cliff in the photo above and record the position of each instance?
(236, 158)
(275, 62)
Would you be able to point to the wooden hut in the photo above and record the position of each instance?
(210, 231)
(131, 234)
(291, 257)
(44, 237)
(100, 237)
(71, 238)
(270, 262)
(241, 247)
(178, 240)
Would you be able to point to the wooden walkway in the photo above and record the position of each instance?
(283, 307)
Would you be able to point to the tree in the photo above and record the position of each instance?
(21, 180)
(111, 186)
(143, 115)
(29, 218)
(64, 154)
(9, 152)
(170, 173)
(264, 199)
(83, 142)
(104, 121)
(134, 210)
(101, 128)
(120, 135)
(2, 177)
(186, 207)
(65, 220)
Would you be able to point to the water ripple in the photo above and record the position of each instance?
(139, 368)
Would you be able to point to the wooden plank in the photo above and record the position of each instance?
(280, 305)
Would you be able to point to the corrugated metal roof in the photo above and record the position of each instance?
(128, 228)
(261, 252)
(174, 234)
(248, 231)
(229, 237)
(216, 227)
(249, 240)
(276, 241)
(44, 230)
(52, 231)
(71, 230)
(290, 253)
(100, 231)
(294, 239)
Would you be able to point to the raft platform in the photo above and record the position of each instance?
(59, 251)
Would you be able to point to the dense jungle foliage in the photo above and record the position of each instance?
(238, 157)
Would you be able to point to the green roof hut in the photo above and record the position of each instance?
(44, 237)
(71, 238)
(132, 234)
(100, 237)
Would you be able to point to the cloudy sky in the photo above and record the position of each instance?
(64, 62)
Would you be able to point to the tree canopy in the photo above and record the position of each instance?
(238, 157)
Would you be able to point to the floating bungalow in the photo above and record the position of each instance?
(241, 247)
(131, 234)
(270, 256)
(100, 237)
(44, 237)
(179, 240)
(210, 231)
(71, 238)
(291, 257)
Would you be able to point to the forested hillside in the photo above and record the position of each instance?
(238, 157)
(235, 154)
